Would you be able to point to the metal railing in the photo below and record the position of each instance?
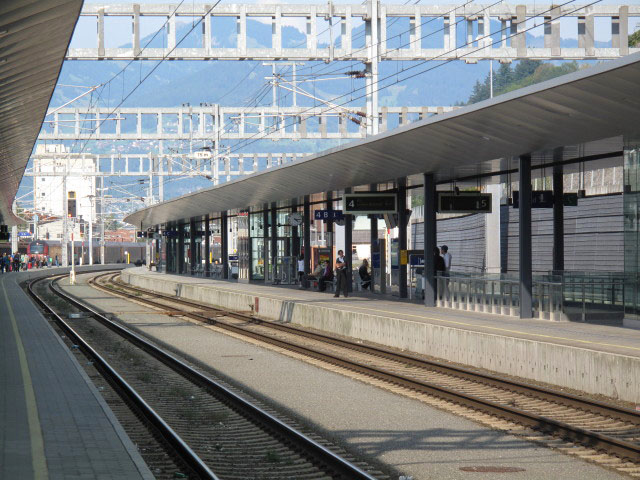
(478, 294)
(554, 297)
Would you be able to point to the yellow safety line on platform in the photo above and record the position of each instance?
(453, 322)
(38, 459)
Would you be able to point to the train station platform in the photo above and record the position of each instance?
(595, 359)
(53, 422)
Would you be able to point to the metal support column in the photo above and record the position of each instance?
(224, 244)
(558, 215)
(329, 230)
(192, 246)
(402, 234)
(207, 247)
(373, 238)
(430, 231)
(348, 245)
(295, 232)
(526, 279)
(265, 242)
(274, 241)
(169, 243)
(180, 251)
(307, 235)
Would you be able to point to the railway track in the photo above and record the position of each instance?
(214, 432)
(596, 425)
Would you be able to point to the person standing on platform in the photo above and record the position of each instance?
(3, 262)
(446, 256)
(301, 270)
(341, 271)
(438, 269)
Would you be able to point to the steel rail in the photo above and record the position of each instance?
(186, 454)
(342, 468)
(562, 398)
(595, 440)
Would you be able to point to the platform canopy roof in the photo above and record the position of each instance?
(34, 35)
(594, 103)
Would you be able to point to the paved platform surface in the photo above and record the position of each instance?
(413, 438)
(598, 359)
(53, 422)
(605, 338)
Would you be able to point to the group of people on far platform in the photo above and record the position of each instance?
(21, 261)
(324, 274)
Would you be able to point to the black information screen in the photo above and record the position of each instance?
(369, 203)
(476, 203)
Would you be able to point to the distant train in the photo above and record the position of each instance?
(114, 252)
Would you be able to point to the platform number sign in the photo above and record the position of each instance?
(369, 203)
(450, 202)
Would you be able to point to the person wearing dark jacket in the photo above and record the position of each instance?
(438, 262)
(439, 269)
(365, 276)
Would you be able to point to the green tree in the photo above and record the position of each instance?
(525, 73)
(634, 39)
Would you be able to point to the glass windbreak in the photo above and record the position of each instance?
(631, 234)
(257, 258)
(187, 250)
(199, 261)
(256, 227)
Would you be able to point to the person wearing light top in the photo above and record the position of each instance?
(446, 256)
(301, 269)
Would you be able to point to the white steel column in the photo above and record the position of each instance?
(14, 239)
(65, 220)
(91, 232)
(102, 222)
(371, 67)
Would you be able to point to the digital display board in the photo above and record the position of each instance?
(365, 203)
(539, 199)
(449, 202)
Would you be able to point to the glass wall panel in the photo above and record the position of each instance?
(631, 231)
(256, 231)
(187, 249)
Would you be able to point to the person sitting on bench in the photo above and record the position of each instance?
(322, 274)
(365, 276)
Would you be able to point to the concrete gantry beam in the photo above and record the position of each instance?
(210, 123)
(472, 20)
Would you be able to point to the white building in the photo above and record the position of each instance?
(49, 196)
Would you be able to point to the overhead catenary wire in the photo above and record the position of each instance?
(463, 5)
(395, 74)
(252, 140)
